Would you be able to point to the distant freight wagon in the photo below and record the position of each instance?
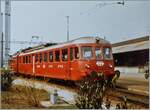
(72, 60)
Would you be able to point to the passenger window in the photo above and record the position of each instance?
(57, 55)
(26, 59)
(51, 56)
(87, 52)
(23, 59)
(76, 53)
(45, 57)
(36, 58)
(71, 54)
(98, 53)
(29, 59)
(40, 57)
(107, 53)
(19, 59)
(64, 54)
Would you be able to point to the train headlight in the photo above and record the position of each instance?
(87, 66)
(110, 66)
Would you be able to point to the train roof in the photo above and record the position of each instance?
(81, 40)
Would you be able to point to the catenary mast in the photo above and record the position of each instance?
(1, 39)
(7, 30)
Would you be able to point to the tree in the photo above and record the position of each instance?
(91, 91)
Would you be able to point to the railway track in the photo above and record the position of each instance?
(131, 97)
(117, 93)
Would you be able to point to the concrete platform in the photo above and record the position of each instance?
(47, 104)
(134, 82)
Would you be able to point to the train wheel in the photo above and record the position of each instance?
(146, 75)
(17, 74)
(46, 79)
(116, 77)
(117, 73)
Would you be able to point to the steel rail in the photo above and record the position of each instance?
(130, 97)
(80, 0)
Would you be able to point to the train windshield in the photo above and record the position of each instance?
(87, 52)
(107, 53)
(98, 53)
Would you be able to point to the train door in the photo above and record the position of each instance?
(14, 64)
(65, 63)
(74, 56)
(108, 67)
(50, 66)
(36, 64)
(41, 69)
(33, 65)
(57, 73)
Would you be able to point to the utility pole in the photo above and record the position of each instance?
(67, 28)
(7, 30)
(1, 38)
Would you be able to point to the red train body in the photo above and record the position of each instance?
(68, 61)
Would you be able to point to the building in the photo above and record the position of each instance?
(132, 56)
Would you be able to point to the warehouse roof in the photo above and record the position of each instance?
(131, 45)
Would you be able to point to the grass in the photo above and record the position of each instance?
(22, 97)
(19, 97)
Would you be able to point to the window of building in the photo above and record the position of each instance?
(45, 57)
(57, 55)
(41, 57)
(36, 58)
(64, 54)
(51, 56)
(71, 54)
(76, 53)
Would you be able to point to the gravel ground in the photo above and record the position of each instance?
(12, 99)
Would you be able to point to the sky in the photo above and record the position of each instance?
(48, 20)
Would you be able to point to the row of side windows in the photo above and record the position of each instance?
(26, 59)
(74, 53)
(39, 57)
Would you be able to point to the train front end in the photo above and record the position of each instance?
(97, 57)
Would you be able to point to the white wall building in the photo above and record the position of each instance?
(132, 56)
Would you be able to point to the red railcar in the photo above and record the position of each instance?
(68, 61)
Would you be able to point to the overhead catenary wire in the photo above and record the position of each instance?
(101, 5)
(27, 42)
